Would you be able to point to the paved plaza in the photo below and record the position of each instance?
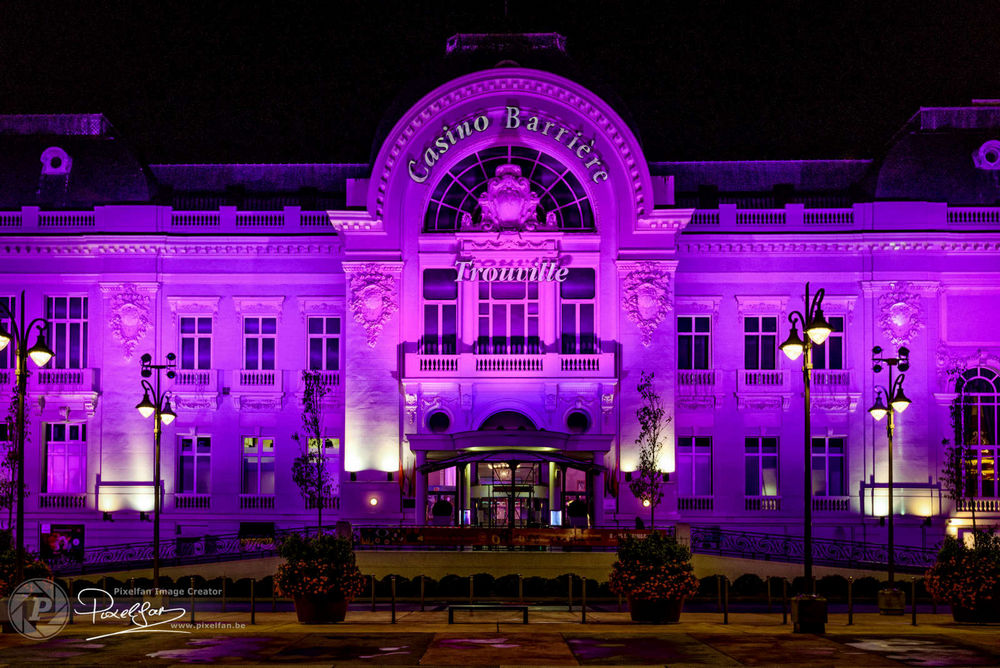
(495, 639)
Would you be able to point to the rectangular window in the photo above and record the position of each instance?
(7, 356)
(259, 335)
(828, 470)
(65, 458)
(694, 465)
(258, 466)
(693, 342)
(759, 334)
(830, 355)
(196, 342)
(194, 465)
(508, 318)
(578, 333)
(67, 317)
(761, 466)
(324, 343)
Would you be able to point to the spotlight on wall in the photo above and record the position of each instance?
(645, 503)
(926, 522)
(373, 501)
(881, 520)
(107, 517)
(144, 516)
(389, 476)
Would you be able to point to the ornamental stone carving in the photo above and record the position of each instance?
(901, 316)
(373, 297)
(130, 317)
(647, 298)
(952, 363)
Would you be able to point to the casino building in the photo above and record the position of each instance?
(480, 301)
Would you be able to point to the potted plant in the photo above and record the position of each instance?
(320, 573)
(891, 601)
(654, 573)
(968, 578)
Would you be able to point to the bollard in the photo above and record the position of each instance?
(192, 600)
(421, 593)
(373, 592)
(621, 608)
(767, 583)
(253, 600)
(913, 600)
(718, 591)
(470, 589)
(224, 578)
(814, 585)
(850, 601)
(569, 595)
(69, 585)
(274, 596)
(520, 589)
(392, 583)
(131, 586)
(784, 601)
(725, 600)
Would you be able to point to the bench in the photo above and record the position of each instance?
(486, 606)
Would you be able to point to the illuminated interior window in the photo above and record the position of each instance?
(458, 191)
(68, 336)
(65, 458)
(761, 466)
(979, 390)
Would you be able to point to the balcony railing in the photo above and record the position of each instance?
(63, 380)
(832, 380)
(256, 502)
(695, 503)
(199, 379)
(763, 504)
(539, 366)
(192, 501)
(63, 501)
(696, 378)
(262, 380)
(831, 504)
(763, 381)
(329, 503)
(979, 505)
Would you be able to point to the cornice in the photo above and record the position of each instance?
(824, 244)
(82, 248)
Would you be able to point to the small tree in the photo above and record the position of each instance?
(309, 470)
(8, 459)
(653, 421)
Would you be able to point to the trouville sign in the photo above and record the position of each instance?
(510, 118)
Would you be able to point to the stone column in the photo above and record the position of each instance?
(420, 493)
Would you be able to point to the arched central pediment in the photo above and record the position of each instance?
(510, 107)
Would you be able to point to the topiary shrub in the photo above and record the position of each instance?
(749, 585)
(866, 588)
(833, 587)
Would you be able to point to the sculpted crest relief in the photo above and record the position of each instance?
(129, 306)
(373, 298)
(901, 316)
(647, 298)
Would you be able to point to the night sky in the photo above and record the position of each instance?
(291, 82)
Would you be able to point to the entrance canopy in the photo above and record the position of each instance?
(517, 455)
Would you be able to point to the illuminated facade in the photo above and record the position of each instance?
(482, 299)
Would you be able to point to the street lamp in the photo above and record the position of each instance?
(40, 354)
(895, 402)
(156, 404)
(816, 329)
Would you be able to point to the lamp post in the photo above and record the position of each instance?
(40, 354)
(895, 402)
(816, 329)
(157, 406)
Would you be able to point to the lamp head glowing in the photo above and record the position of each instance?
(645, 503)
(793, 347)
(819, 328)
(40, 353)
(5, 337)
(878, 411)
(373, 501)
(900, 401)
(167, 415)
(145, 407)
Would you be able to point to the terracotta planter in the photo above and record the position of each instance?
(891, 602)
(320, 609)
(985, 614)
(656, 611)
(809, 614)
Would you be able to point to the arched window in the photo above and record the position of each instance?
(979, 390)
(562, 198)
